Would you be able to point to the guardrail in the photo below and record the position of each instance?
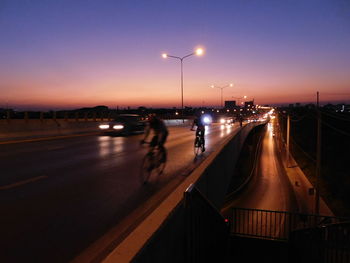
(277, 225)
(26, 129)
(203, 245)
(187, 236)
(13, 129)
(325, 244)
(77, 115)
(306, 237)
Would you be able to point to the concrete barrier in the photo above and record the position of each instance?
(215, 180)
(36, 128)
(178, 122)
(17, 129)
(163, 235)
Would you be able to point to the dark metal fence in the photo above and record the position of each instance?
(312, 238)
(325, 244)
(274, 224)
(194, 232)
(206, 230)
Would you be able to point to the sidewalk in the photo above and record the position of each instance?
(303, 189)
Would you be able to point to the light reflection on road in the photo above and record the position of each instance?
(225, 130)
(110, 145)
(270, 129)
(222, 131)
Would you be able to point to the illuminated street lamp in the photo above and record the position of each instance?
(222, 88)
(198, 52)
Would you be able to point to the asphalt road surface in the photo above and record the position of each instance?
(57, 197)
(269, 189)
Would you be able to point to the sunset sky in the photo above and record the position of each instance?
(75, 53)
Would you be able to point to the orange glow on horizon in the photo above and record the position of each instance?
(154, 89)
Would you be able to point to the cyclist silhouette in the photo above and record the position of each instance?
(240, 119)
(198, 121)
(160, 133)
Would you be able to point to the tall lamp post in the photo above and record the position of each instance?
(222, 88)
(198, 52)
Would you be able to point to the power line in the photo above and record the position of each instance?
(335, 94)
(302, 117)
(307, 155)
(334, 116)
(336, 129)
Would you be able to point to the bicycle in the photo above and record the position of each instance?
(198, 142)
(153, 163)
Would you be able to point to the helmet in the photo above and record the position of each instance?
(198, 113)
(151, 116)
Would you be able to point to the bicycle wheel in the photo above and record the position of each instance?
(147, 167)
(197, 146)
(202, 146)
(160, 161)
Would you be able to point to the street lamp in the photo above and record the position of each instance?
(222, 88)
(198, 52)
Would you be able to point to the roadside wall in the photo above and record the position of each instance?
(163, 236)
(16, 129)
(36, 128)
(215, 180)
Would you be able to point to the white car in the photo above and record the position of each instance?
(124, 124)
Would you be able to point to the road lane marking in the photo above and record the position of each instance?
(31, 180)
(49, 138)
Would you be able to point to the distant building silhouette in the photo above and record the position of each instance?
(249, 104)
(230, 104)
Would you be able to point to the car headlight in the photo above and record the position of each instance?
(222, 121)
(103, 126)
(118, 127)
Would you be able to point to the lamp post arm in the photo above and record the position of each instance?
(170, 56)
(188, 56)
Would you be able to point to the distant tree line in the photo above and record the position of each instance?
(106, 112)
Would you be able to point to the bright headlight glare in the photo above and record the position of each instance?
(222, 121)
(206, 120)
(118, 127)
(104, 126)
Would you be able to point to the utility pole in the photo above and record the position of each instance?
(318, 158)
(288, 133)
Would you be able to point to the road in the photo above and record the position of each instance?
(57, 197)
(269, 189)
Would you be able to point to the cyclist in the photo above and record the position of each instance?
(198, 121)
(240, 119)
(160, 133)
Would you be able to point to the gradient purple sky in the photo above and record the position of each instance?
(69, 54)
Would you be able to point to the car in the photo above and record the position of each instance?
(225, 120)
(124, 124)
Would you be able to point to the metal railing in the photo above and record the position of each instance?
(194, 232)
(275, 225)
(326, 244)
(206, 230)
